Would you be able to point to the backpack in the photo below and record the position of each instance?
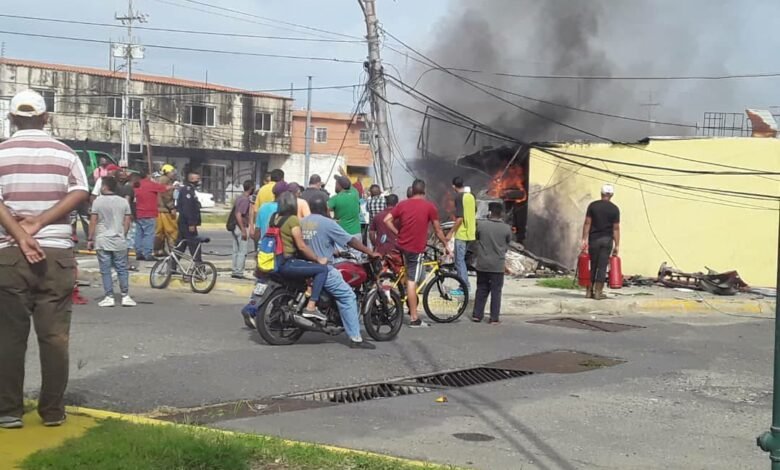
(232, 223)
(270, 250)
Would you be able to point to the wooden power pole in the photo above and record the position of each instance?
(376, 85)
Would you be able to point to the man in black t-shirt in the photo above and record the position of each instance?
(601, 237)
(314, 190)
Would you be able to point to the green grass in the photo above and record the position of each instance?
(220, 218)
(119, 445)
(558, 283)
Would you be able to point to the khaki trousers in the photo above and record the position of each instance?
(41, 292)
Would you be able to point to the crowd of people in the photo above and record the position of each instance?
(375, 224)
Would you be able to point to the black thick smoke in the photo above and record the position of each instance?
(592, 38)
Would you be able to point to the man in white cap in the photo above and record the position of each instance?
(41, 182)
(601, 237)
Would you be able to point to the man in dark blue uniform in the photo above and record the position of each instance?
(189, 215)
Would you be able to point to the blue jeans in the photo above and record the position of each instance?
(131, 237)
(346, 301)
(240, 247)
(461, 247)
(118, 261)
(144, 237)
(301, 269)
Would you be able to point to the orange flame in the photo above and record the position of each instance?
(509, 185)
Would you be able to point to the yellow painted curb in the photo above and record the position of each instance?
(756, 307)
(243, 289)
(18, 444)
(100, 414)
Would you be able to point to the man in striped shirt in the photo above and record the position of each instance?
(41, 182)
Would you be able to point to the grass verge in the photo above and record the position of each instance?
(218, 218)
(558, 283)
(119, 445)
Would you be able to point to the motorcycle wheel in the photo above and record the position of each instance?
(383, 316)
(270, 320)
(445, 298)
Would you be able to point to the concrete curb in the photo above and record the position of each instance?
(519, 305)
(141, 280)
(138, 419)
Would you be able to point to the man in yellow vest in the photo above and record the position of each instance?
(166, 230)
(465, 229)
(266, 192)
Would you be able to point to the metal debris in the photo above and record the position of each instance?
(522, 263)
(725, 283)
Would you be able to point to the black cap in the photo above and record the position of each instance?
(343, 181)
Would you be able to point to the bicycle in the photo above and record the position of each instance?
(453, 294)
(201, 275)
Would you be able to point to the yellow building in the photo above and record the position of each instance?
(688, 228)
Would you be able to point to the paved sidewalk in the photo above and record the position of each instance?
(521, 296)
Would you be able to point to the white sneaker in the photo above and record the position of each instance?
(127, 301)
(107, 302)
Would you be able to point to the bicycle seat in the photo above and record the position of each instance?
(205, 240)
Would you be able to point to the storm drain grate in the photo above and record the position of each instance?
(411, 385)
(583, 324)
(362, 393)
(467, 377)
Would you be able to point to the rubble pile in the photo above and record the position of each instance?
(522, 263)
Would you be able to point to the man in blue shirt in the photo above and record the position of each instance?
(325, 237)
(268, 209)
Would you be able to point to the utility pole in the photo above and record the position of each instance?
(650, 105)
(770, 441)
(376, 85)
(307, 162)
(130, 52)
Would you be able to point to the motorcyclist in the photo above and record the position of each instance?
(325, 236)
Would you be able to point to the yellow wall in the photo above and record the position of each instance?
(697, 229)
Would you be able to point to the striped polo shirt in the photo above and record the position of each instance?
(36, 172)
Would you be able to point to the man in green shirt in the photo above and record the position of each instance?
(346, 206)
(465, 228)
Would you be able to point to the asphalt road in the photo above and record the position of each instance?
(694, 392)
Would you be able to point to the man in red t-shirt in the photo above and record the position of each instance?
(413, 216)
(146, 192)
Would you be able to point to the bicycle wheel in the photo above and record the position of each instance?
(204, 277)
(445, 298)
(161, 274)
(383, 315)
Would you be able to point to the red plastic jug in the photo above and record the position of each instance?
(583, 269)
(615, 273)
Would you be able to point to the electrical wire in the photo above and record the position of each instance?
(274, 20)
(184, 31)
(358, 106)
(190, 49)
(550, 119)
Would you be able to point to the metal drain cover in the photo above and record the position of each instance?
(556, 362)
(473, 437)
(584, 324)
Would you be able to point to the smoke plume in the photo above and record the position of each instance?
(593, 38)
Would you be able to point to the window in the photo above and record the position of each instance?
(115, 107)
(365, 137)
(48, 98)
(198, 115)
(264, 122)
(321, 135)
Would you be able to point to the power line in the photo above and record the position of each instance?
(185, 31)
(190, 49)
(555, 121)
(183, 93)
(591, 77)
(275, 20)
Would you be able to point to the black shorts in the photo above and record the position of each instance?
(414, 266)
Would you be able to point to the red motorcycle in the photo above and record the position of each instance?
(279, 318)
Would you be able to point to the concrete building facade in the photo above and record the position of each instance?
(227, 134)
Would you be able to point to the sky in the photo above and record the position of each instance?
(629, 37)
(410, 19)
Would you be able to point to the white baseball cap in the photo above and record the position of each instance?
(28, 103)
(607, 189)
